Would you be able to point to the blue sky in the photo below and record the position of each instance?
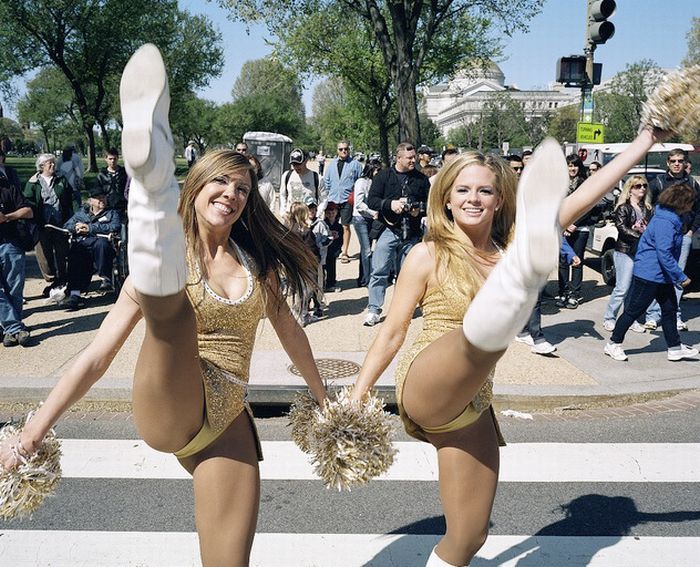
(645, 29)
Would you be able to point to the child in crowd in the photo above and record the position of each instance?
(322, 237)
(297, 219)
(335, 231)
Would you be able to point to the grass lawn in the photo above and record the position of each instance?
(25, 167)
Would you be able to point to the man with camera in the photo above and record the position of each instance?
(399, 193)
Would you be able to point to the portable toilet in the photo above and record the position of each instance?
(273, 151)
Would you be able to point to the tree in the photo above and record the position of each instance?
(562, 126)
(620, 109)
(693, 35)
(49, 104)
(266, 96)
(197, 122)
(89, 42)
(418, 41)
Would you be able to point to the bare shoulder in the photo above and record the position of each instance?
(421, 259)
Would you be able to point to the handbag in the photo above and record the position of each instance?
(27, 234)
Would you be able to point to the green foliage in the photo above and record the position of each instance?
(9, 129)
(431, 135)
(417, 41)
(562, 126)
(196, 121)
(89, 42)
(693, 36)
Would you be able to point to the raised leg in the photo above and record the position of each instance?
(227, 495)
(168, 392)
(505, 301)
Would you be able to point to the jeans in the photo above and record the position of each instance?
(624, 264)
(362, 231)
(639, 297)
(573, 286)
(87, 256)
(11, 287)
(534, 324)
(390, 251)
(51, 254)
(654, 311)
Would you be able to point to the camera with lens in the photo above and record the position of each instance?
(411, 207)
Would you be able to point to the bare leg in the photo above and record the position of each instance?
(227, 495)
(468, 462)
(444, 378)
(347, 234)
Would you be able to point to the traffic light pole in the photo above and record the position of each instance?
(587, 86)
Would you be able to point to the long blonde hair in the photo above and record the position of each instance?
(627, 188)
(277, 252)
(297, 217)
(455, 253)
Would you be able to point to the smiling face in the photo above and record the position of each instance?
(221, 202)
(573, 170)
(473, 199)
(48, 167)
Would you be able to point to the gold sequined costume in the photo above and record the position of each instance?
(443, 308)
(225, 336)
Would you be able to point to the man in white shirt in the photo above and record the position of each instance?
(300, 182)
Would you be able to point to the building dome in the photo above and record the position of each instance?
(476, 70)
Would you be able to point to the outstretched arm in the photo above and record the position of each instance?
(595, 187)
(410, 288)
(79, 378)
(293, 339)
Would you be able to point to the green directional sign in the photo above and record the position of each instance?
(590, 133)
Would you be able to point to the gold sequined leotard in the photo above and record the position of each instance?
(225, 336)
(443, 308)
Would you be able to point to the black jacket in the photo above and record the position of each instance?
(691, 220)
(627, 237)
(114, 185)
(387, 187)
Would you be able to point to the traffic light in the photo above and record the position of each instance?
(600, 29)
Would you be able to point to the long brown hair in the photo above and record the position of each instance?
(276, 250)
(455, 253)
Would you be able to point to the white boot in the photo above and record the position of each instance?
(156, 243)
(435, 561)
(503, 304)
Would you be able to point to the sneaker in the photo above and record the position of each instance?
(560, 300)
(73, 303)
(371, 320)
(10, 340)
(318, 313)
(525, 339)
(637, 327)
(681, 352)
(571, 303)
(615, 351)
(23, 337)
(309, 318)
(545, 347)
(609, 325)
(106, 286)
(650, 325)
(681, 325)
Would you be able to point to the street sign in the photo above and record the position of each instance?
(590, 133)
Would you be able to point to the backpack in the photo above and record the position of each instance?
(288, 174)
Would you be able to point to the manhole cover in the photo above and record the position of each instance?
(330, 368)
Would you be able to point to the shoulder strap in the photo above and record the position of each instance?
(287, 175)
(316, 183)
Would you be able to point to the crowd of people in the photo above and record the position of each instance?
(472, 245)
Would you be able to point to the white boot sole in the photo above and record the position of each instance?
(542, 187)
(145, 101)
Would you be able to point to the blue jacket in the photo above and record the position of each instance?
(105, 222)
(659, 249)
(339, 188)
(566, 254)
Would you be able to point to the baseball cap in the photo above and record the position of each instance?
(297, 156)
(310, 201)
(96, 191)
(425, 150)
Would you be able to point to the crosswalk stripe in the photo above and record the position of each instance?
(520, 462)
(179, 549)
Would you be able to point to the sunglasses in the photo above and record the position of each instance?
(343, 149)
(640, 186)
(676, 161)
(517, 168)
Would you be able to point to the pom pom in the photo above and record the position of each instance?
(304, 414)
(351, 443)
(675, 105)
(23, 489)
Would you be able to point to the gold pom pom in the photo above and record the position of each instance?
(304, 414)
(675, 105)
(351, 443)
(23, 489)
